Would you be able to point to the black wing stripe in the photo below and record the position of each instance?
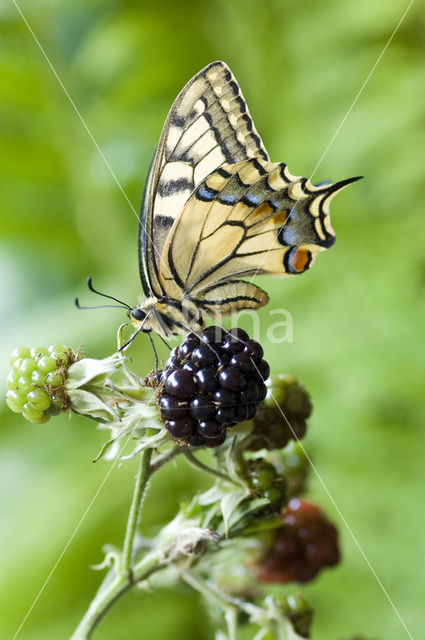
(224, 301)
(212, 86)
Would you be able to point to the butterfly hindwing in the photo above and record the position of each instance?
(245, 219)
(232, 296)
(208, 125)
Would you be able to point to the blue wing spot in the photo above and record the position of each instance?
(206, 194)
(287, 236)
(250, 199)
(273, 203)
(227, 198)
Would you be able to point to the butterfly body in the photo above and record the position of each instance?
(216, 210)
(168, 316)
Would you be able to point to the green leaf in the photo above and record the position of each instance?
(85, 370)
(246, 508)
(90, 405)
(229, 503)
(215, 494)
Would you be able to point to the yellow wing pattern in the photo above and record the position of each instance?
(246, 218)
(209, 124)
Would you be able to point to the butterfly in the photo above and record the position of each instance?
(215, 210)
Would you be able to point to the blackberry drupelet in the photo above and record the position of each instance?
(305, 544)
(210, 383)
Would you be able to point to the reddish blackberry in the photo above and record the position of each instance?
(304, 544)
(211, 382)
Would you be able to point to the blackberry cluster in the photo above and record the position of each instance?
(305, 543)
(282, 417)
(210, 383)
(35, 384)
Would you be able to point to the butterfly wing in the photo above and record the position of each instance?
(208, 125)
(245, 219)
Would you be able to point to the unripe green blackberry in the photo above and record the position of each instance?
(299, 612)
(266, 483)
(305, 544)
(293, 464)
(282, 416)
(297, 609)
(210, 383)
(36, 381)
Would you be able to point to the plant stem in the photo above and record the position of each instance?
(194, 462)
(133, 518)
(117, 582)
(110, 591)
(165, 457)
(212, 595)
(231, 617)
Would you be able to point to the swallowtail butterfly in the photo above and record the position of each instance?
(216, 210)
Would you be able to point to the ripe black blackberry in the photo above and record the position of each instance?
(210, 383)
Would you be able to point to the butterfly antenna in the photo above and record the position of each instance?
(99, 306)
(105, 295)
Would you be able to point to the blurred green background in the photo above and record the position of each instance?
(358, 315)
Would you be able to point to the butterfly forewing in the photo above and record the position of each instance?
(207, 126)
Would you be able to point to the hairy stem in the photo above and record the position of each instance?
(166, 457)
(117, 582)
(133, 518)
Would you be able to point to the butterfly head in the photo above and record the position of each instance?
(137, 314)
(139, 319)
(150, 315)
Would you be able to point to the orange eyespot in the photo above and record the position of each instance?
(297, 260)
